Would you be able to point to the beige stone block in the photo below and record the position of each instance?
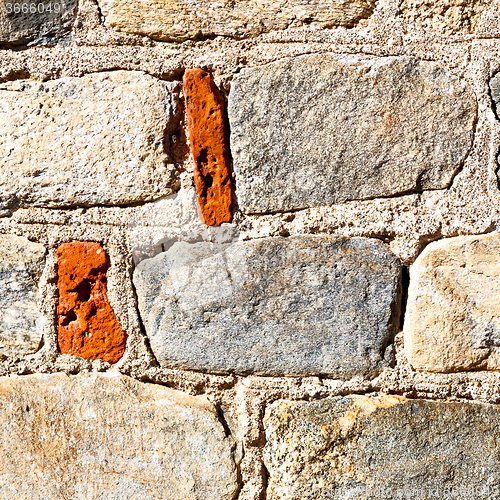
(107, 436)
(191, 19)
(452, 320)
(95, 140)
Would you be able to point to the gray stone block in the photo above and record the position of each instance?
(286, 306)
(374, 448)
(21, 323)
(94, 140)
(324, 128)
(32, 21)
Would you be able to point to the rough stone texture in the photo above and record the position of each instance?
(495, 92)
(452, 321)
(322, 129)
(98, 139)
(43, 20)
(382, 447)
(207, 136)
(182, 20)
(302, 305)
(88, 326)
(446, 16)
(110, 437)
(21, 322)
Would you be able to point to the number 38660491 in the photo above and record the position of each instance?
(32, 8)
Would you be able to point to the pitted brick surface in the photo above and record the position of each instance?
(88, 326)
(207, 134)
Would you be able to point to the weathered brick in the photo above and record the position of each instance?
(207, 135)
(88, 326)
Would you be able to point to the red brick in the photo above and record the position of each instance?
(207, 136)
(88, 326)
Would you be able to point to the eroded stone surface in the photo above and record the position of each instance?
(495, 92)
(298, 305)
(21, 322)
(446, 16)
(322, 129)
(452, 320)
(207, 136)
(180, 20)
(88, 326)
(382, 447)
(94, 437)
(98, 139)
(41, 20)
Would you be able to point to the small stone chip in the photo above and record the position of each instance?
(88, 326)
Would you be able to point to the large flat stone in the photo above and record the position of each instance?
(296, 306)
(452, 320)
(324, 128)
(21, 322)
(35, 20)
(94, 140)
(179, 20)
(107, 436)
(374, 448)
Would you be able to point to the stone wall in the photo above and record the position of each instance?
(250, 249)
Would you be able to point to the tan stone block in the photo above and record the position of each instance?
(180, 20)
(107, 436)
(452, 320)
(95, 140)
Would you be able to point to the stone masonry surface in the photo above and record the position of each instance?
(322, 129)
(21, 321)
(98, 139)
(95, 148)
(208, 140)
(183, 19)
(107, 436)
(384, 447)
(287, 306)
(87, 324)
(453, 319)
(40, 20)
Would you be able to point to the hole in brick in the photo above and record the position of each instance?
(68, 318)
(84, 290)
(209, 181)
